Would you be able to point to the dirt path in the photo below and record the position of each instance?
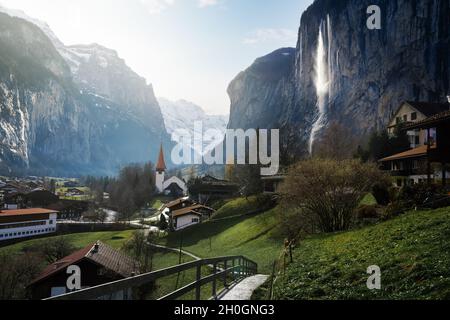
(176, 251)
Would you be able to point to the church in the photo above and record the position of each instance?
(173, 186)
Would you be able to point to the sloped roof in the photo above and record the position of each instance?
(26, 212)
(177, 202)
(105, 256)
(429, 108)
(413, 153)
(192, 209)
(430, 121)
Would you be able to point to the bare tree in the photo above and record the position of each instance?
(337, 143)
(325, 193)
(16, 272)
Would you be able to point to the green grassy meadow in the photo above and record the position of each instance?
(412, 252)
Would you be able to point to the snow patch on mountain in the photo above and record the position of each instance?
(182, 115)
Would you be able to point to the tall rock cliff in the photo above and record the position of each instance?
(347, 73)
(56, 121)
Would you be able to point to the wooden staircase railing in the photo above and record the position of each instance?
(223, 268)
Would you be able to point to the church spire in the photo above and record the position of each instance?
(161, 166)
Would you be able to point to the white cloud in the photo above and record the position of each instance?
(269, 35)
(156, 6)
(207, 3)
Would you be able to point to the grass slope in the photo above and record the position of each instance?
(115, 239)
(412, 252)
(236, 207)
(254, 237)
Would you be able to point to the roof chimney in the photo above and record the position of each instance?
(96, 247)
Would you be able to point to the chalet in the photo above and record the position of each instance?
(209, 188)
(14, 200)
(190, 216)
(430, 153)
(412, 112)
(25, 223)
(177, 204)
(40, 198)
(98, 263)
(69, 209)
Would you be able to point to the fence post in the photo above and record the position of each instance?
(225, 274)
(198, 285)
(241, 268)
(214, 284)
(272, 280)
(233, 272)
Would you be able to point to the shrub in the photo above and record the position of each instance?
(381, 193)
(420, 194)
(395, 209)
(329, 190)
(367, 212)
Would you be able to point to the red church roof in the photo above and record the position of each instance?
(161, 165)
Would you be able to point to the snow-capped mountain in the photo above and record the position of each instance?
(70, 110)
(183, 115)
(41, 24)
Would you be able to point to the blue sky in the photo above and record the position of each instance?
(188, 49)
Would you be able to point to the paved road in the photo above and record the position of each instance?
(244, 289)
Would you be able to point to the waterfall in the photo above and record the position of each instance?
(321, 81)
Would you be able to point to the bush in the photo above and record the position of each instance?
(367, 212)
(421, 194)
(381, 193)
(329, 190)
(396, 209)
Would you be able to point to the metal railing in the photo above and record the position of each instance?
(223, 268)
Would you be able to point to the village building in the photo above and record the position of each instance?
(190, 216)
(428, 126)
(177, 204)
(209, 188)
(98, 263)
(272, 184)
(184, 212)
(172, 186)
(412, 112)
(12, 195)
(72, 210)
(25, 223)
(40, 198)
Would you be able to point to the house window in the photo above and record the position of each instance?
(195, 220)
(413, 116)
(417, 140)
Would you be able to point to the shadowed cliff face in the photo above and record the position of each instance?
(56, 122)
(368, 72)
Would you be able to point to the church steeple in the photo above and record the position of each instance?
(161, 165)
